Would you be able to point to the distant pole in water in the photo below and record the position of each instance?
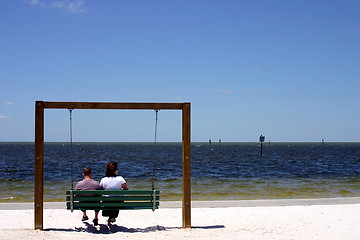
(261, 139)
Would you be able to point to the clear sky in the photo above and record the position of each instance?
(289, 70)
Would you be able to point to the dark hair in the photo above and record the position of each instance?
(87, 171)
(111, 169)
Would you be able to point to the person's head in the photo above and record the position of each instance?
(87, 172)
(111, 169)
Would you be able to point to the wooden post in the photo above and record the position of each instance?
(39, 165)
(186, 201)
(261, 140)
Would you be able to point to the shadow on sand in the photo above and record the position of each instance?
(113, 228)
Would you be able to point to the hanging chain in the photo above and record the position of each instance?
(154, 155)
(71, 149)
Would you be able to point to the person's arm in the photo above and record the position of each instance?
(124, 186)
(99, 187)
(102, 184)
(78, 186)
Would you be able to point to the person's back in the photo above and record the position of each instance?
(112, 183)
(88, 184)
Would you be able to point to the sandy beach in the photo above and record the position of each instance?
(336, 218)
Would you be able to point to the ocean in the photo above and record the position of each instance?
(219, 171)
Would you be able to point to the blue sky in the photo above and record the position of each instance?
(289, 70)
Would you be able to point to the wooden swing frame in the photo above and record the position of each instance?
(40, 106)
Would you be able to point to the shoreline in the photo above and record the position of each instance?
(210, 204)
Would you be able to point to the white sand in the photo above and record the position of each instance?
(323, 220)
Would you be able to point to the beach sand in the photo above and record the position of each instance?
(255, 219)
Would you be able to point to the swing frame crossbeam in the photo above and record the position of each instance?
(40, 106)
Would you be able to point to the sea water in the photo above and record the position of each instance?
(219, 171)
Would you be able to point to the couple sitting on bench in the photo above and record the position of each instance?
(110, 182)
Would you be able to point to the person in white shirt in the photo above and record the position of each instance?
(112, 182)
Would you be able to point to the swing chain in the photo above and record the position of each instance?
(154, 156)
(71, 150)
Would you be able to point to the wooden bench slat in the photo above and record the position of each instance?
(113, 198)
(112, 204)
(123, 208)
(113, 192)
(116, 207)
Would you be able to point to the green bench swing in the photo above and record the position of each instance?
(112, 199)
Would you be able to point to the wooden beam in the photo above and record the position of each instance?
(186, 200)
(113, 105)
(39, 165)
